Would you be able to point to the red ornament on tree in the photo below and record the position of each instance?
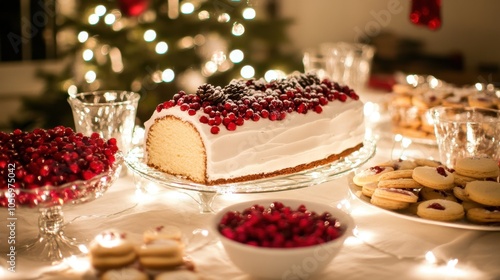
(427, 13)
(133, 8)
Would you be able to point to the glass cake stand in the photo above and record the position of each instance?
(206, 194)
(52, 245)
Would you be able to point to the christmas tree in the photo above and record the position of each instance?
(158, 47)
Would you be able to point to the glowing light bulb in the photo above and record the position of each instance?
(412, 80)
(203, 15)
(83, 36)
(218, 57)
(87, 54)
(210, 68)
(93, 19)
(430, 257)
(247, 72)
(168, 75)
(238, 29)
(72, 90)
(186, 42)
(224, 17)
(452, 263)
(187, 8)
(273, 75)
(433, 82)
(149, 35)
(109, 19)
(236, 56)
(478, 86)
(100, 10)
(249, 13)
(90, 76)
(161, 47)
(157, 76)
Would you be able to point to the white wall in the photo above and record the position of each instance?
(469, 26)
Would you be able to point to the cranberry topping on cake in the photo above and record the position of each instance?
(279, 226)
(250, 100)
(53, 157)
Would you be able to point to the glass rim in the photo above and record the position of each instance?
(134, 97)
(435, 112)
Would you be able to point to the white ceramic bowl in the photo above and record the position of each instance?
(284, 263)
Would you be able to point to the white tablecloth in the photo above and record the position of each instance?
(384, 247)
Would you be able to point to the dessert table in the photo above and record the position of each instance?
(383, 246)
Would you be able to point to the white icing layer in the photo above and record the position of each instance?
(266, 146)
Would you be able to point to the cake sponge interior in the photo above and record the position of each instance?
(175, 146)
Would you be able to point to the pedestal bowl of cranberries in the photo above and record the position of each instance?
(282, 239)
(48, 169)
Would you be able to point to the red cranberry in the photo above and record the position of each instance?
(279, 226)
(377, 169)
(441, 171)
(54, 157)
(257, 99)
(214, 129)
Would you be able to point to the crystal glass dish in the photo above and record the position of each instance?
(52, 244)
(135, 161)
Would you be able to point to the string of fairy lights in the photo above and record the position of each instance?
(216, 56)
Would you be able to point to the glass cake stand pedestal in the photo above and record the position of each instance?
(204, 195)
(52, 244)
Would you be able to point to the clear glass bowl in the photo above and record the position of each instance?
(52, 244)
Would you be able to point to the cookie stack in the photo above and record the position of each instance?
(433, 191)
(111, 249)
(478, 189)
(159, 256)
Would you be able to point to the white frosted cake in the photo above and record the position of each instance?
(254, 129)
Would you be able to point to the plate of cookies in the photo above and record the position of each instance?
(426, 191)
(411, 100)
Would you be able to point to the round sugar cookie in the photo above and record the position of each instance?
(427, 162)
(388, 204)
(111, 249)
(471, 204)
(396, 174)
(484, 192)
(162, 232)
(368, 189)
(111, 242)
(128, 273)
(484, 215)
(161, 254)
(161, 247)
(400, 164)
(462, 180)
(434, 177)
(178, 275)
(428, 194)
(403, 183)
(396, 194)
(460, 193)
(477, 167)
(440, 210)
(370, 175)
(112, 261)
